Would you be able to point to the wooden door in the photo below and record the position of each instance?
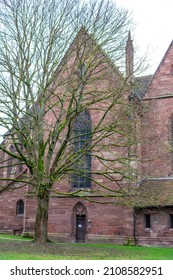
(80, 228)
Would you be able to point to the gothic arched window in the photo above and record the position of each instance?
(20, 207)
(82, 129)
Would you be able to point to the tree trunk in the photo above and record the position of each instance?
(41, 223)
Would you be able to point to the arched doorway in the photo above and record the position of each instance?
(80, 214)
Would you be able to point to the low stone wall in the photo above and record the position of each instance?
(156, 241)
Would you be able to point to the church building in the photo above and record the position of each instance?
(146, 221)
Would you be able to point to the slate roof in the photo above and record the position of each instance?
(141, 85)
(156, 192)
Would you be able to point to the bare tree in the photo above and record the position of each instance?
(63, 102)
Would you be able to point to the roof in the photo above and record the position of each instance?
(141, 85)
(157, 192)
(163, 59)
(167, 58)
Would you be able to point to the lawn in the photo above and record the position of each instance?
(18, 248)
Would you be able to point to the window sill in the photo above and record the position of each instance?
(80, 191)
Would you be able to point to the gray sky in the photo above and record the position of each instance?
(154, 29)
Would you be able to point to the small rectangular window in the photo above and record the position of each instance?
(147, 221)
(171, 220)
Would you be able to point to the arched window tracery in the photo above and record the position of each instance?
(82, 130)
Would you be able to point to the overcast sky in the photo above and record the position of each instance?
(154, 27)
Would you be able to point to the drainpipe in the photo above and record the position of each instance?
(134, 226)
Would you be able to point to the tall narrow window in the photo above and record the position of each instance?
(2, 156)
(20, 207)
(82, 129)
(20, 164)
(81, 70)
(147, 221)
(172, 142)
(10, 162)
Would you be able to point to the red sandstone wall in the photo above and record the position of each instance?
(160, 232)
(158, 101)
(8, 218)
(162, 83)
(103, 222)
(104, 79)
(156, 151)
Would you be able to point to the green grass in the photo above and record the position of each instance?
(18, 248)
(8, 237)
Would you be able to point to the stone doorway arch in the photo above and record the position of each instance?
(80, 217)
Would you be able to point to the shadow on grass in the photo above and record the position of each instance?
(15, 249)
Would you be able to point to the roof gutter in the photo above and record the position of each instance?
(154, 179)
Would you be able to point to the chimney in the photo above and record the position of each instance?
(129, 59)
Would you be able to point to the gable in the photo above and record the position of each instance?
(161, 84)
(84, 48)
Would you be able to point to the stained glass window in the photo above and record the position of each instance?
(82, 129)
